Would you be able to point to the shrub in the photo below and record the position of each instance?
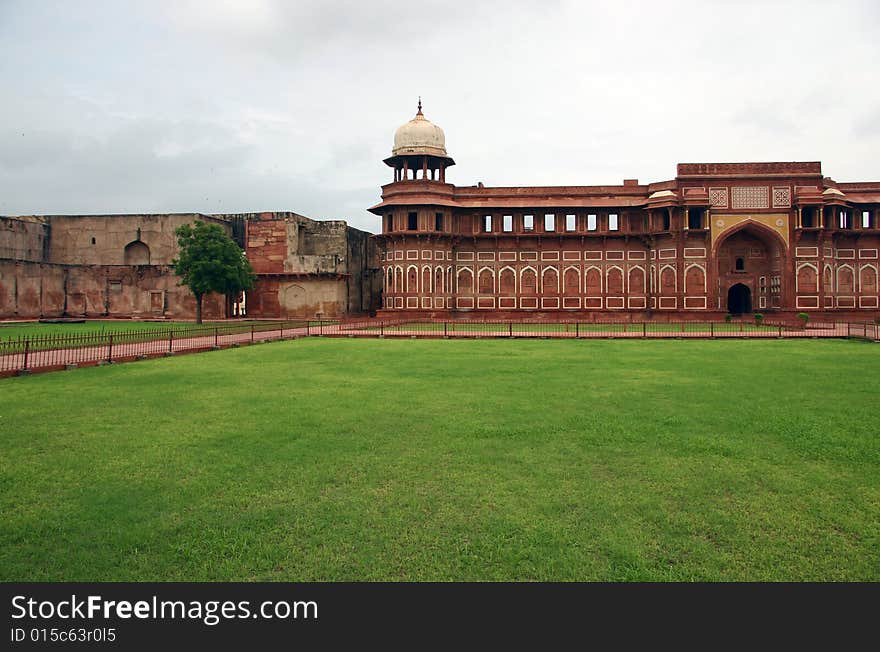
(728, 317)
(758, 317)
(804, 317)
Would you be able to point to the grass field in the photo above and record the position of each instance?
(347, 459)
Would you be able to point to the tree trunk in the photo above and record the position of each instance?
(198, 308)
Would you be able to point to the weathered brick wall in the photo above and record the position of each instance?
(25, 238)
(318, 267)
(47, 290)
(101, 239)
(267, 245)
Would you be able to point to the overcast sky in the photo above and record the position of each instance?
(238, 106)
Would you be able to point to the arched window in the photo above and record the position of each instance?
(137, 253)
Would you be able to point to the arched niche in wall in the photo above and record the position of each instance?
(137, 253)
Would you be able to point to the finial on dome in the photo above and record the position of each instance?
(419, 112)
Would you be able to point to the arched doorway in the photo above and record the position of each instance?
(739, 299)
(750, 255)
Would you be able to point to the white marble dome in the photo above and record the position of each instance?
(419, 136)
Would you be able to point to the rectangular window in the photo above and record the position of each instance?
(666, 221)
(507, 223)
(570, 222)
(487, 223)
(844, 220)
(389, 222)
(591, 223)
(612, 222)
(695, 218)
(438, 221)
(549, 222)
(412, 221)
(528, 222)
(866, 219)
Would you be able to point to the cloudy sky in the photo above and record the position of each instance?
(250, 105)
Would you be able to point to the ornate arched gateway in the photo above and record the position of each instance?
(749, 268)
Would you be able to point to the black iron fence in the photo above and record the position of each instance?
(426, 327)
(60, 350)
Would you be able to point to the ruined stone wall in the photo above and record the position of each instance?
(119, 265)
(48, 290)
(297, 297)
(316, 267)
(102, 239)
(25, 238)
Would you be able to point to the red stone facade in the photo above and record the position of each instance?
(718, 238)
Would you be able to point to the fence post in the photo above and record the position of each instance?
(848, 332)
(780, 330)
(308, 327)
(321, 328)
(712, 329)
(444, 329)
(282, 331)
(381, 329)
(110, 350)
(644, 330)
(215, 336)
(27, 350)
(252, 333)
(577, 329)
(510, 329)
(170, 340)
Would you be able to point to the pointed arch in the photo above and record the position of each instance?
(427, 280)
(550, 280)
(412, 279)
(807, 278)
(868, 279)
(668, 280)
(507, 281)
(636, 280)
(528, 281)
(137, 253)
(486, 280)
(614, 280)
(694, 279)
(762, 231)
(846, 283)
(571, 280)
(465, 280)
(593, 281)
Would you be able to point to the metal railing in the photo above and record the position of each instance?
(59, 350)
(424, 327)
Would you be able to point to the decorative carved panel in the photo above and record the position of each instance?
(750, 197)
(781, 197)
(718, 197)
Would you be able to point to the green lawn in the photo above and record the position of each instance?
(348, 459)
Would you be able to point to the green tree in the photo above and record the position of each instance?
(210, 261)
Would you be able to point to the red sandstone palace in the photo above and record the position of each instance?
(720, 237)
